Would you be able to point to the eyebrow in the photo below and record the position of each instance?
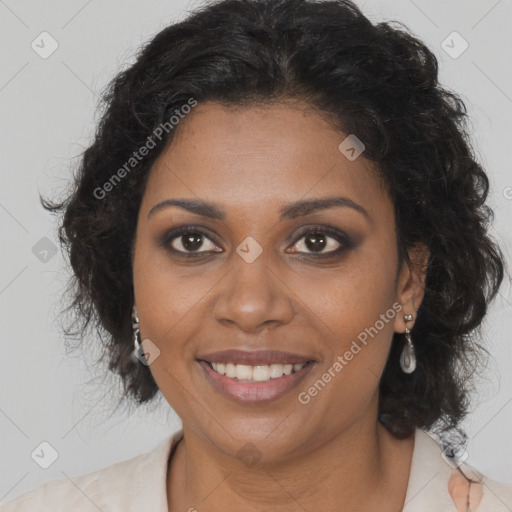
(288, 211)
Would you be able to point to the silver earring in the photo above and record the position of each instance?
(136, 330)
(408, 357)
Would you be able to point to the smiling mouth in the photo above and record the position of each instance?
(256, 373)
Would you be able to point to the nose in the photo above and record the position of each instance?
(252, 297)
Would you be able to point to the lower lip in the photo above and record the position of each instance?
(254, 392)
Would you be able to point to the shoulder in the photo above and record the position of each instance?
(441, 480)
(132, 484)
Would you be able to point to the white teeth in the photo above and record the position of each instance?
(243, 372)
(261, 373)
(230, 370)
(258, 373)
(276, 371)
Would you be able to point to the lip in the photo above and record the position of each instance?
(244, 392)
(253, 358)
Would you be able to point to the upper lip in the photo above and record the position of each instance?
(254, 358)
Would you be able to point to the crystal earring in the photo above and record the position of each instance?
(136, 330)
(408, 357)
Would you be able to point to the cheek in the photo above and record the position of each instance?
(166, 302)
(352, 298)
(347, 382)
(169, 296)
(357, 308)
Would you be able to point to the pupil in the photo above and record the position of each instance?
(318, 242)
(192, 242)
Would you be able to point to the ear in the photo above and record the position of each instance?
(411, 285)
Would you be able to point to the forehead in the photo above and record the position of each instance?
(260, 156)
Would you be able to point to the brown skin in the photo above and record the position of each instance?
(250, 162)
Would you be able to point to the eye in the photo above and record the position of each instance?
(192, 241)
(189, 241)
(321, 241)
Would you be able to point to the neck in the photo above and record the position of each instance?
(356, 468)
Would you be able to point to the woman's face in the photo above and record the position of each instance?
(273, 274)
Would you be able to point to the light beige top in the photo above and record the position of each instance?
(139, 485)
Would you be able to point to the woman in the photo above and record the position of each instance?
(282, 227)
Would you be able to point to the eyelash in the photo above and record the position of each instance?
(340, 237)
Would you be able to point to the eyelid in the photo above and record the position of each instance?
(319, 228)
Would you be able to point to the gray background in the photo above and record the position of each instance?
(47, 120)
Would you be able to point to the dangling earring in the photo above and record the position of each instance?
(136, 330)
(408, 357)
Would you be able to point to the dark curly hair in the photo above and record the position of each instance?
(373, 80)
